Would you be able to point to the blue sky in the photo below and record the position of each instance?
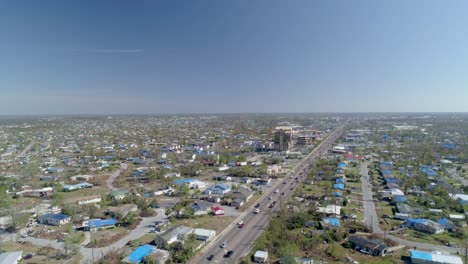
(220, 56)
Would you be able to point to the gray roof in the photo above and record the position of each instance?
(11, 257)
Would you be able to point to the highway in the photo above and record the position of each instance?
(241, 240)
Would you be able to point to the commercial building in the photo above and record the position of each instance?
(260, 256)
(54, 219)
(283, 138)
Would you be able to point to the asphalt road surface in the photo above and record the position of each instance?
(241, 240)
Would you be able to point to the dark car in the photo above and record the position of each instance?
(282, 193)
(229, 253)
(257, 205)
(211, 257)
(241, 225)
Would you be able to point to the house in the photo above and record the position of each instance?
(95, 224)
(339, 186)
(219, 188)
(423, 257)
(218, 211)
(373, 247)
(137, 256)
(447, 224)
(330, 222)
(82, 178)
(177, 233)
(119, 194)
(201, 207)
(263, 181)
(89, 199)
(163, 190)
(462, 198)
(44, 192)
(12, 257)
(121, 211)
(191, 183)
(204, 234)
(330, 209)
(245, 180)
(79, 186)
(424, 225)
(54, 219)
(241, 196)
(260, 256)
(168, 202)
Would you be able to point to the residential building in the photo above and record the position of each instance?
(119, 194)
(177, 233)
(54, 219)
(219, 189)
(79, 186)
(424, 225)
(95, 224)
(201, 207)
(241, 196)
(330, 222)
(373, 247)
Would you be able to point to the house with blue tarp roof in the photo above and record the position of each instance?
(141, 252)
(386, 172)
(95, 224)
(341, 165)
(54, 219)
(220, 188)
(337, 194)
(424, 225)
(400, 199)
(447, 224)
(391, 180)
(340, 180)
(184, 181)
(387, 163)
(339, 186)
(330, 222)
(428, 171)
(339, 171)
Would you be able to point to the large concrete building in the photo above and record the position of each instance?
(283, 138)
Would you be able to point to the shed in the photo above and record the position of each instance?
(260, 256)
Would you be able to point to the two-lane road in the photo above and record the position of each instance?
(241, 240)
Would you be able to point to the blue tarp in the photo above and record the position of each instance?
(386, 172)
(443, 221)
(400, 199)
(341, 165)
(337, 194)
(332, 220)
(339, 186)
(184, 180)
(339, 180)
(417, 221)
(100, 222)
(420, 255)
(140, 253)
(339, 171)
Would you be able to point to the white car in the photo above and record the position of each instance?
(256, 211)
(223, 245)
(240, 222)
(276, 191)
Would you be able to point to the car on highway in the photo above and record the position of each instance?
(223, 245)
(276, 191)
(256, 211)
(257, 205)
(271, 205)
(241, 225)
(282, 193)
(292, 188)
(269, 198)
(229, 253)
(240, 222)
(211, 257)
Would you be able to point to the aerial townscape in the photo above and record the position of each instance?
(290, 188)
(233, 132)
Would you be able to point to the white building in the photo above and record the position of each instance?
(204, 234)
(261, 256)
